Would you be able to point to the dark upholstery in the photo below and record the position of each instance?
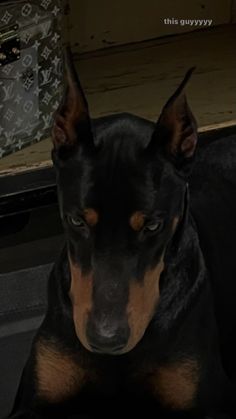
(22, 306)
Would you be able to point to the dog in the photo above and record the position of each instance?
(139, 315)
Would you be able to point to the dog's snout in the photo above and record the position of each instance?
(107, 336)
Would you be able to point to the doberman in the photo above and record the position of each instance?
(139, 315)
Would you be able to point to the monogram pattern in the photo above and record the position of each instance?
(31, 87)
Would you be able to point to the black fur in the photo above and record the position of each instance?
(125, 168)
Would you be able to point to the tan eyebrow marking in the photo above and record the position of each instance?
(91, 216)
(137, 220)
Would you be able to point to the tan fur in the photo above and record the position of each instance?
(143, 298)
(91, 216)
(175, 385)
(58, 376)
(81, 297)
(137, 220)
(143, 295)
(175, 223)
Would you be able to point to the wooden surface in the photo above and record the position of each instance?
(140, 78)
(105, 23)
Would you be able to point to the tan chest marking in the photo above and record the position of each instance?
(58, 376)
(175, 385)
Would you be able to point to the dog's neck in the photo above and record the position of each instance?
(183, 275)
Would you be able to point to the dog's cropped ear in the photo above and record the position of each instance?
(176, 129)
(72, 121)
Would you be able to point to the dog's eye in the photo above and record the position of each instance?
(154, 227)
(76, 221)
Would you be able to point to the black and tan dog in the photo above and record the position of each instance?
(139, 317)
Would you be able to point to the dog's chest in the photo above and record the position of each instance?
(173, 385)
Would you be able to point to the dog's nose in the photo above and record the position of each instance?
(107, 338)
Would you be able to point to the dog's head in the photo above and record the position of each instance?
(121, 190)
